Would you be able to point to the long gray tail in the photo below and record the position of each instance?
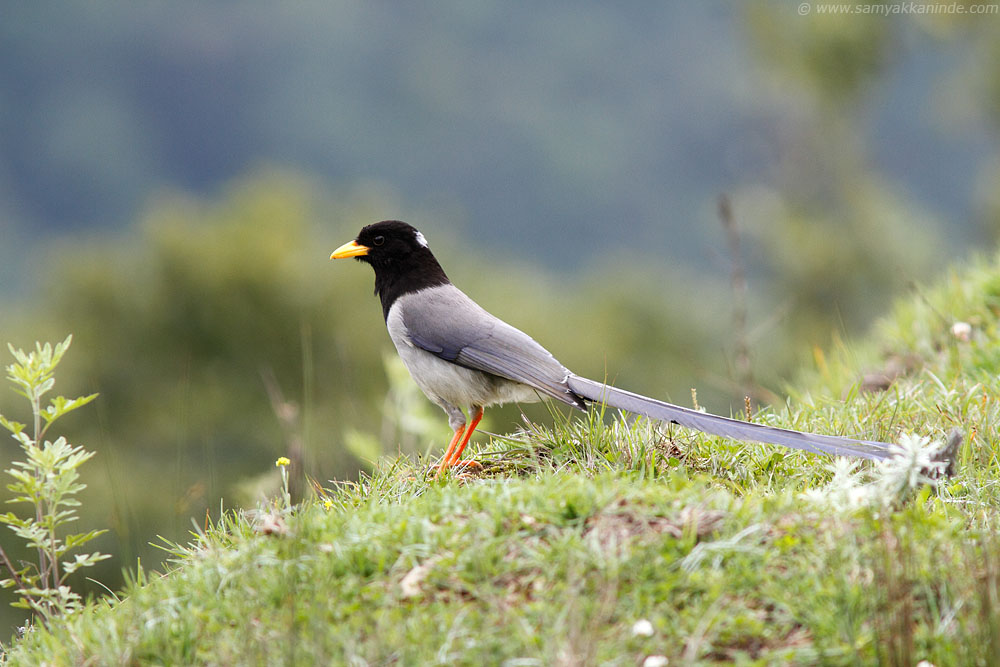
(727, 428)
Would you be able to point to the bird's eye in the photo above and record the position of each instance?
(378, 240)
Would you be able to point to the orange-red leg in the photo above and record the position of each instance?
(458, 443)
(476, 418)
(455, 439)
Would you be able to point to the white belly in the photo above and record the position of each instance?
(446, 383)
(449, 384)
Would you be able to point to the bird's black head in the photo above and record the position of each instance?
(399, 254)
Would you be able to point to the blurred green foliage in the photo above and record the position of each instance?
(834, 237)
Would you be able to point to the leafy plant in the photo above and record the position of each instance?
(47, 479)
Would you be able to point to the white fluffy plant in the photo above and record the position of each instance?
(48, 480)
(914, 463)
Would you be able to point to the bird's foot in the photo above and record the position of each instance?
(461, 467)
(469, 463)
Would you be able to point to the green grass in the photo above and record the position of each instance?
(577, 530)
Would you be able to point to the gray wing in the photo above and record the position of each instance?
(447, 323)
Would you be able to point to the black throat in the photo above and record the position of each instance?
(395, 276)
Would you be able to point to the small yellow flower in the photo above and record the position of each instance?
(327, 504)
(282, 462)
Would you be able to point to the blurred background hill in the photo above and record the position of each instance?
(174, 175)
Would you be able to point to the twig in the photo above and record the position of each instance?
(738, 283)
(14, 576)
(948, 455)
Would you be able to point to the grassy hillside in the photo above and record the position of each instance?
(610, 541)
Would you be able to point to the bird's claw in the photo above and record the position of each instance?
(461, 467)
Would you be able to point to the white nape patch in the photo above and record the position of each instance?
(421, 240)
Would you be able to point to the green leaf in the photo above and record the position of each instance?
(36, 536)
(44, 386)
(60, 351)
(77, 539)
(60, 405)
(12, 426)
(24, 439)
(13, 520)
(18, 391)
(83, 560)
